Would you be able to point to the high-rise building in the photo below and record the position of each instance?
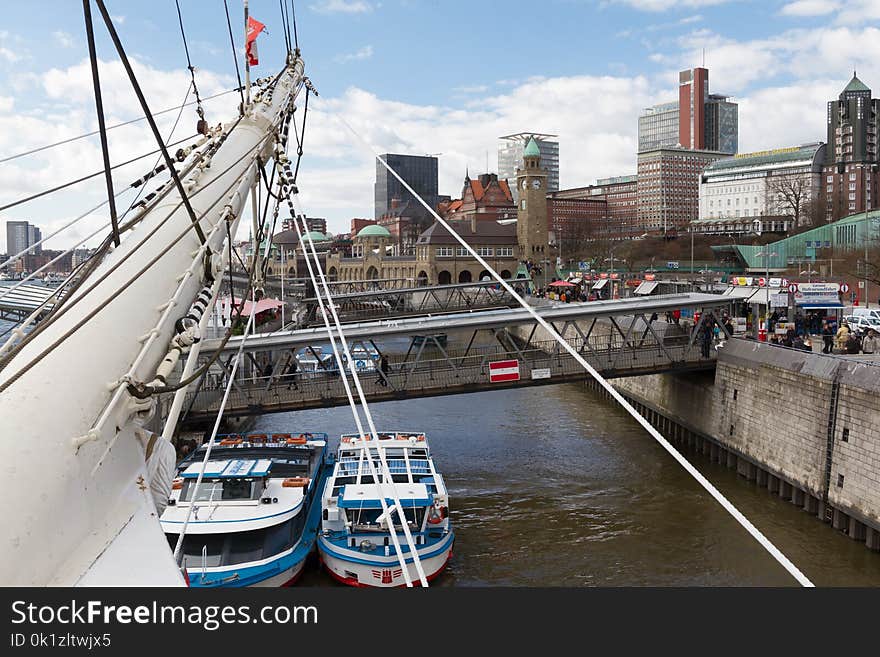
(669, 186)
(20, 235)
(853, 129)
(419, 172)
(693, 90)
(510, 158)
(658, 127)
(698, 121)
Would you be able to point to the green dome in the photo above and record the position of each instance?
(316, 236)
(531, 149)
(374, 231)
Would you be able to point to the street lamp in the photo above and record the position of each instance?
(868, 169)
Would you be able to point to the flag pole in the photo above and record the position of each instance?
(247, 61)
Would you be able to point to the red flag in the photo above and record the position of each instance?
(254, 28)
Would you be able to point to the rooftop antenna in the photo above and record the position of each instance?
(704, 58)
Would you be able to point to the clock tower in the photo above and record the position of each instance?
(531, 217)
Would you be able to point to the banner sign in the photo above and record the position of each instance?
(823, 294)
(541, 373)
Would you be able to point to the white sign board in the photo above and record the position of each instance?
(541, 373)
(817, 294)
(778, 299)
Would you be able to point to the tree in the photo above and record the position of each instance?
(791, 194)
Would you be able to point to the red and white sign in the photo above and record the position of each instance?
(784, 283)
(761, 282)
(504, 370)
(792, 287)
(845, 288)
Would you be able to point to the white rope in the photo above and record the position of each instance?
(705, 483)
(380, 450)
(192, 504)
(394, 539)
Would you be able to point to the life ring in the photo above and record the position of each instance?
(231, 441)
(299, 440)
(177, 483)
(295, 482)
(435, 517)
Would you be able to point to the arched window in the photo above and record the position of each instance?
(464, 277)
(444, 278)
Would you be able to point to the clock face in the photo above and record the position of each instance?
(536, 183)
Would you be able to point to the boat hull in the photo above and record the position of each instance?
(355, 568)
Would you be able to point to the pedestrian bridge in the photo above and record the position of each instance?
(452, 354)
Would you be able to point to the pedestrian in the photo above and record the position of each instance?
(705, 339)
(290, 374)
(853, 344)
(841, 337)
(384, 368)
(827, 338)
(871, 343)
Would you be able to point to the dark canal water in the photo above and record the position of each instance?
(554, 486)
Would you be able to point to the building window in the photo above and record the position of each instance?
(444, 251)
(484, 251)
(504, 252)
(461, 252)
(522, 204)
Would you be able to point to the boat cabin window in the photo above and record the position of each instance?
(368, 519)
(238, 547)
(220, 490)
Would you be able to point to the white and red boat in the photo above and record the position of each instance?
(356, 544)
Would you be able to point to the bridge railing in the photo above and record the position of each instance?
(434, 370)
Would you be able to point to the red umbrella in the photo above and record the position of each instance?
(561, 284)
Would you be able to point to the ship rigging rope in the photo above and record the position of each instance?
(140, 183)
(70, 183)
(56, 313)
(109, 127)
(5, 359)
(705, 483)
(341, 365)
(293, 14)
(234, 58)
(192, 71)
(179, 546)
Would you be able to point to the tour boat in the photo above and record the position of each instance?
(257, 511)
(366, 357)
(355, 543)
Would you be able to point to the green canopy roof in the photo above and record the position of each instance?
(374, 231)
(856, 85)
(531, 149)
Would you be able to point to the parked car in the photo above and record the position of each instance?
(860, 324)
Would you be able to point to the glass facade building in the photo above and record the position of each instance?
(722, 125)
(420, 173)
(658, 127)
(20, 235)
(510, 150)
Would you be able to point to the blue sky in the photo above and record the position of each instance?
(425, 76)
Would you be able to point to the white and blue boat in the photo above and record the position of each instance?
(256, 512)
(355, 543)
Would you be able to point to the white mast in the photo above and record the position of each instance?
(78, 508)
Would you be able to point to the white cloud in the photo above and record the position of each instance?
(810, 8)
(9, 55)
(858, 12)
(364, 53)
(63, 39)
(342, 7)
(118, 19)
(473, 89)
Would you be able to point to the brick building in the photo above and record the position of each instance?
(668, 187)
(618, 197)
(484, 198)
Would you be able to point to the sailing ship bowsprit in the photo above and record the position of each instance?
(76, 488)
